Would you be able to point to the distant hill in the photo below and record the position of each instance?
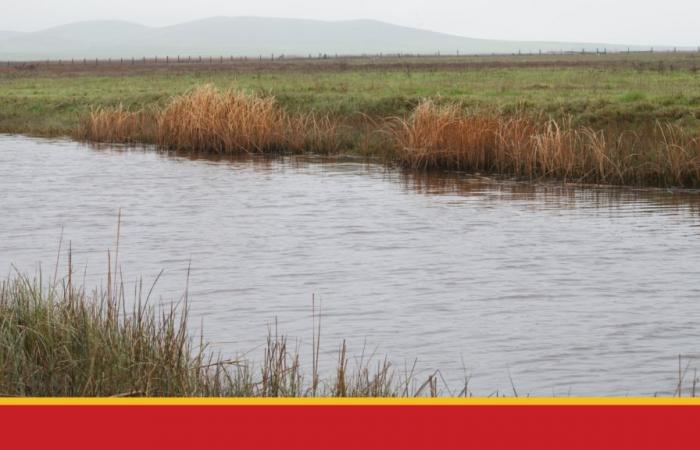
(9, 34)
(252, 36)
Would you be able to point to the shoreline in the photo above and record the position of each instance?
(433, 136)
(92, 348)
(359, 158)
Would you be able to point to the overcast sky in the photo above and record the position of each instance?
(652, 22)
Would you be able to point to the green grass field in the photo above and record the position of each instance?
(51, 102)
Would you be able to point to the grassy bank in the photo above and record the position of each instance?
(595, 90)
(432, 136)
(618, 119)
(62, 341)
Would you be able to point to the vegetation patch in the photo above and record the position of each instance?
(61, 341)
(433, 136)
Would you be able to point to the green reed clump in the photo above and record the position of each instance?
(63, 341)
(67, 343)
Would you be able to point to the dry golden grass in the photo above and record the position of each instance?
(312, 133)
(431, 137)
(213, 121)
(442, 137)
(221, 122)
(118, 125)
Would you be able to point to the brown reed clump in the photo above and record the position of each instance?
(312, 133)
(212, 121)
(442, 137)
(207, 120)
(118, 125)
(432, 137)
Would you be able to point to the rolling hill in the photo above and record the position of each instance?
(252, 36)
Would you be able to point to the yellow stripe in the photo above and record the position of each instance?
(474, 401)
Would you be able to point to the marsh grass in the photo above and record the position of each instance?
(119, 125)
(59, 340)
(443, 137)
(433, 136)
(222, 122)
(208, 120)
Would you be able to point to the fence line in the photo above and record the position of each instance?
(211, 60)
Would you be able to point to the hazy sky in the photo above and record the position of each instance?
(653, 22)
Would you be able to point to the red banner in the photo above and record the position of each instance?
(358, 425)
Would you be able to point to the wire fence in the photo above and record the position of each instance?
(211, 60)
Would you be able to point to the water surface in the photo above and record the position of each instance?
(566, 290)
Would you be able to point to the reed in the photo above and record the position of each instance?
(207, 120)
(118, 125)
(63, 341)
(433, 136)
(440, 137)
(212, 121)
(443, 137)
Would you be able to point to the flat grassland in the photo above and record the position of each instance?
(621, 90)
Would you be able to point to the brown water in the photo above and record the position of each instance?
(585, 291)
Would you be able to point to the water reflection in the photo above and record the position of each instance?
(551, 194)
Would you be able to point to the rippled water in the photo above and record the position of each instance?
(585, 291)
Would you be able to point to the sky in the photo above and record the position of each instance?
(634, 22)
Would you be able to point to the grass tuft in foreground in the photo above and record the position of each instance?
(65, 342)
